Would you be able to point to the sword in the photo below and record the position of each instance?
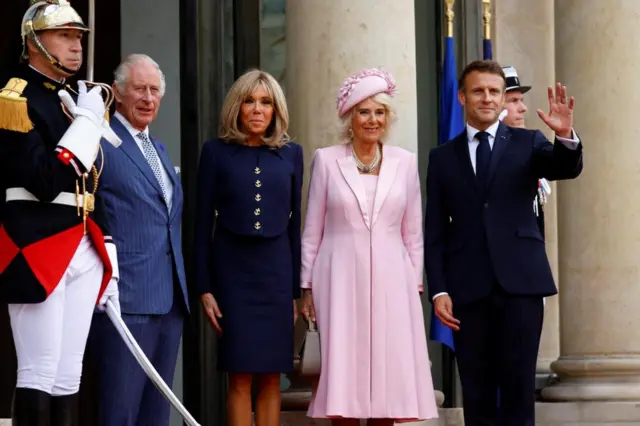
(109, 135)
(146, 365)
(91, 42)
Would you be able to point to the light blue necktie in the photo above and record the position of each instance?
(154, 161)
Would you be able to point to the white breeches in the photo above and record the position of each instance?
(50, 337)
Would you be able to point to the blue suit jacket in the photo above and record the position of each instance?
(475, 236)
(147, 236)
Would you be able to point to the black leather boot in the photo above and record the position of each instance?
(31, 407)
(64, 410)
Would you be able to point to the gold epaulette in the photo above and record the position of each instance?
(13, 107)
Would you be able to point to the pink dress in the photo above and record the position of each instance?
(362, 253)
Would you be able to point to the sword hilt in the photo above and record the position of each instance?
(108, 94)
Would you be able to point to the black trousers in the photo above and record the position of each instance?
(497, 348)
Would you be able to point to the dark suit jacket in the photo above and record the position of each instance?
(477, 236)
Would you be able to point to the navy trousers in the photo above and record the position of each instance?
(497, 349)
(127, 395)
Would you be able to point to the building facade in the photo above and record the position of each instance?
(589, 337)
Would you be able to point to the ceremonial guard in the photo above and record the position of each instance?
(57, 261)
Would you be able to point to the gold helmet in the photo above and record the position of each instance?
(49, 15)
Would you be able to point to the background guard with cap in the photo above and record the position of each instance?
(57, 260)
(513, 115)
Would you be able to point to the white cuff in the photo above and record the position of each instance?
(439, 294)
(572, 143)
(82, 139)
(305, 286)
(113, 258)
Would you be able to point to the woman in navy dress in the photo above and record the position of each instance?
(248, 243)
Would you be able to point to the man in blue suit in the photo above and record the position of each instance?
(486, 264)
(143, 197)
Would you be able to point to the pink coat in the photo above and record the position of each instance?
(366, 273)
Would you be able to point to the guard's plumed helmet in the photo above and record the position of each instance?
(49, 15)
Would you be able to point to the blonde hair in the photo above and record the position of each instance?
(381, 98)
(230, 126)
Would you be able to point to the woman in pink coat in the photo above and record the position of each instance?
(362, 267)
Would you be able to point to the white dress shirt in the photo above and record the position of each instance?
(492, 130)
(134, 132)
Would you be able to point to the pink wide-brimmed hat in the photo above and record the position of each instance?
(362, 85)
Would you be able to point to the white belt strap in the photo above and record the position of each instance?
(64, 198)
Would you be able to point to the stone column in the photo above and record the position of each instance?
(329, 40)
(524, 38)
(599, 213)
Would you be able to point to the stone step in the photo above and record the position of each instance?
(547, 414)
(448, 417)
(591, 413)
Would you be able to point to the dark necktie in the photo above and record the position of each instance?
(483, 157)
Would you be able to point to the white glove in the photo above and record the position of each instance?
(503, 114)
(88, 102)
(110, 293)
(91, 105)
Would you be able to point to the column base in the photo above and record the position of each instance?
(595, 379)
(544, 375)
(544, 380)
(543, 366)
(587, 414)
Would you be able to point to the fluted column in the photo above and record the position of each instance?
(329, 40)
(599, 213)
(524, 38)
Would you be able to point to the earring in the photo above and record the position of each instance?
(350, 133)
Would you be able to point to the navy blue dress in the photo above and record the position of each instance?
(248, 250)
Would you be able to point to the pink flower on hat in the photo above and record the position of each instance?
(362, 85)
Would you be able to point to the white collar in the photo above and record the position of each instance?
(492, 130)
(127, 125)
(41, 73)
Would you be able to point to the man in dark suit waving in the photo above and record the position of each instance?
(487, 268)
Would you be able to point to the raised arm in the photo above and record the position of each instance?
(49, 171)
(559, 160)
